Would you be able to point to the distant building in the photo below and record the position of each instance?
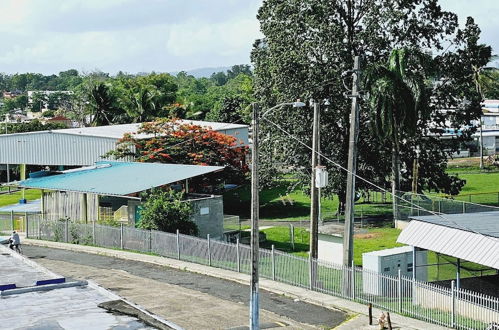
(61, 120)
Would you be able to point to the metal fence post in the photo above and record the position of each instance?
(27, 225)
(66, 230)
(310, 275)
(292, 235)
(238, 256)
(273, 262)
(12, 220)
(209, 249)
(464, 207)
(178, 245)
(399, 289)
(150, 240)
(353, 281)
(39, 219)
(453, 306)
(121, 236)
(94, 240)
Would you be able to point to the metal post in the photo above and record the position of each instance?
(352, 167)
(178, 245)
(255, 205)
(399, 289)
(413, 263)
(39, 225)
(93, 232)
(66, 230)
(314, 191)
(121, 236)
(464, 207)
(12, 220)
(352, 289)
(292, 235)
(27, 224)
(481, 145)
(209, 249)
(453, 303)
(150, 240)
(310, 274)
(273, 262)
(458, 273)
(238, 256)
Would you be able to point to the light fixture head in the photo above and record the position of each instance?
(298, 104)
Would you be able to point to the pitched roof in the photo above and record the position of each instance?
(117, 178)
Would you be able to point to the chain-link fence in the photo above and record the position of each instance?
(451, 307)
(410, 205)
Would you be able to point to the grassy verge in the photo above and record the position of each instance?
(7, 199)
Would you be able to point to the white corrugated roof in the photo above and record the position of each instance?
(452, 241)
(117, 131)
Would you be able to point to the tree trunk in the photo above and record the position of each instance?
(395, 181)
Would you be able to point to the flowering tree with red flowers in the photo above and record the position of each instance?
(175, 142)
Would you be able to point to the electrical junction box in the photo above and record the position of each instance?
(376, 264)
(321, 177)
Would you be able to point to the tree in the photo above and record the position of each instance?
(398, 100)
(176, 142)
(38, 101)
(101, 103)
(307, 46)
(166, 211)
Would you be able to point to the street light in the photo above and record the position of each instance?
(255, 205)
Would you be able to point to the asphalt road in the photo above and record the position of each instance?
(222, 289)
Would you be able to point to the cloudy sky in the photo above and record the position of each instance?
(49, 36)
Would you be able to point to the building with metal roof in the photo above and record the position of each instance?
(471, 237)
(113, 178)
(83, 146)
(109, 191)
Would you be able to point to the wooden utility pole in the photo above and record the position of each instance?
(352, 167)
(255, 204)
(314, 191)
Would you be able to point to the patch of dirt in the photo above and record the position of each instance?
(367, 235)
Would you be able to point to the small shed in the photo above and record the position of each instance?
(330, 243)
(111, 190)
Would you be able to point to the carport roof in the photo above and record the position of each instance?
(470, 236)
(117, 178)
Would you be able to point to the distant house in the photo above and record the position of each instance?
(61, 120)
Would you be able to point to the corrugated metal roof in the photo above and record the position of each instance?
(452, 241)
(82, 146)
(118, 178)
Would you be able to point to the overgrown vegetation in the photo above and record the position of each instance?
(165, 210)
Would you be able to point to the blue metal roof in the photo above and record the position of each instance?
(117, 178)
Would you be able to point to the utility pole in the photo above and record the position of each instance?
(7, 165)
(481, 144)
(255, 204)
(352, 167)
(314, 191)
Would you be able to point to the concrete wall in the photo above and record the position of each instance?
(209, 216)
(330, 248)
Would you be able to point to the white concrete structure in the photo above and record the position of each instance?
(330, 244)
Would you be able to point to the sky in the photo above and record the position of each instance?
(49, 36)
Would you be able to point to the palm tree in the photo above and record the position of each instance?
(101, 103)
(397, 100)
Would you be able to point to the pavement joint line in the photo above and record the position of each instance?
(305, 295)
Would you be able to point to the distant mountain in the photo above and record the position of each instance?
(204, 72)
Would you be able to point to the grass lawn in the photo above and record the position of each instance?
(7, 199)
(277, 204)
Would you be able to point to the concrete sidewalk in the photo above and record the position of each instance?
(328, 301)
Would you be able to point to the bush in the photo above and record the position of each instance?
(166, 211)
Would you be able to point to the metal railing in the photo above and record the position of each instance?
(451, 307)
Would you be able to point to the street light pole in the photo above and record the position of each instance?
(255, 205)
(352, 168)
(7, 165)
(255, 209)
(314, 191)
(481, 144)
